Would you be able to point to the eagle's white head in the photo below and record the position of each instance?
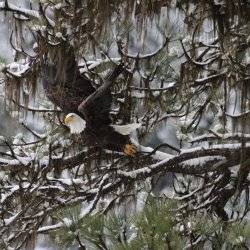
(75, 123)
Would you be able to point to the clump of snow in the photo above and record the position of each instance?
(37, 27)
(181, 228)
(11, 219)
(58, 34)
(67, 222)
(14, 66)
(35, 46)
(133, 235)
(202, 160)
(18, 68)
(58, 6)
(122, 100)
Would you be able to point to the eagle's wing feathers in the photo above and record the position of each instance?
(61, 78)
(96, 107)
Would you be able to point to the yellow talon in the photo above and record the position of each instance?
(129, 149)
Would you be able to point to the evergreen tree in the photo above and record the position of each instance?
(186, 80)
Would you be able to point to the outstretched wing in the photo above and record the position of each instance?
(62, 81)
(96, 107)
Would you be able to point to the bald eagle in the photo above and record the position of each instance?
(87, 108)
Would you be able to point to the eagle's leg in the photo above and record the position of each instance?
(129, 149)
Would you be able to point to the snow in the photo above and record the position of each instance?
(24, 160)
(208, 78)
(122, 100)
(37, 27)
(67, 222)
(9, 162)
(58, 6)
(202, 160)
(5, 196)
(86, 210)
(181, 229)
(58, 34)
(133, 235)
(50, 187)
(11, 219)
(91, 206)
(67, 181)
(93, 64)
(35, 46)
(45, 229)
(197, 154)
(217, 146)
(226, 136)
(18, 69)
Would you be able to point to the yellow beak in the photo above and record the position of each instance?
(67, 119)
